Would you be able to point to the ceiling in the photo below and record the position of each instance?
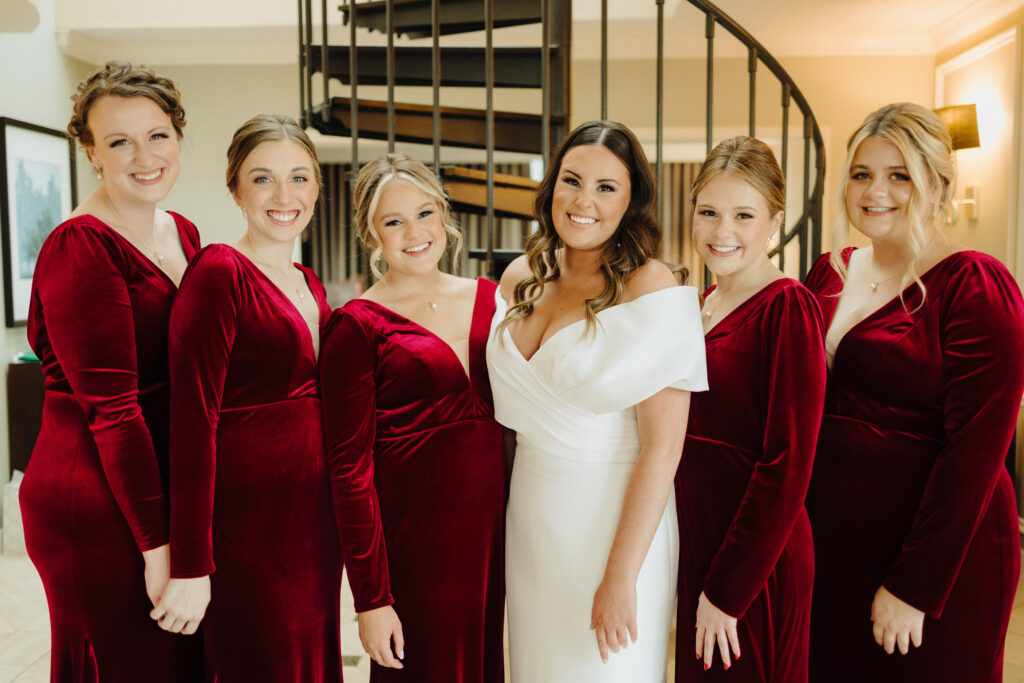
(194, 32)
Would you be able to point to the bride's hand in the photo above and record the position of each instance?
(613, 617)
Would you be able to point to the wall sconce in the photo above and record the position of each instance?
(962, 122)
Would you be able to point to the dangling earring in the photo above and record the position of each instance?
(773, 241)
(99, 173)
(245, 219)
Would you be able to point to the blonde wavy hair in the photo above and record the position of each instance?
(927, 149)
(370, 182)
(637, 238)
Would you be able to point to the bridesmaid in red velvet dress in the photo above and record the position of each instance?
(416, 457)
(250, 496)
(913, 512)
(746, 557)
(93, 500)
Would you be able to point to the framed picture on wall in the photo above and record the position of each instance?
(37, 192)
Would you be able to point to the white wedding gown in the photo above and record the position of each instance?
(572, 407)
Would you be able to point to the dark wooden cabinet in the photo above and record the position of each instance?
(24, 411)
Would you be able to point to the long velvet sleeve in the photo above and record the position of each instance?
(983, 366)
(85, 298)
(202, 332)
(793, 394)
(348, 392)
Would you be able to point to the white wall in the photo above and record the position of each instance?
(36, 81)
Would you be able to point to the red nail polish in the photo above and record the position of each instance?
(706, 667)
(726, 666)
(699, 655)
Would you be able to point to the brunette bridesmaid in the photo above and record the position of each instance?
(915, 524)
(250, 499)
(93, 501)
(416, 457)
(747, 560)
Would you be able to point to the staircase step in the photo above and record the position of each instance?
(513, 131)
(514, 67)
(412, 17)
(467, 189)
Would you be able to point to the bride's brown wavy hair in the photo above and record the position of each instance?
(637, 238)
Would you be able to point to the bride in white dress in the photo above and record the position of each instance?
(592, 369)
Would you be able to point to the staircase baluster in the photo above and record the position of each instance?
(752, 69)
(785, 168)
(808, 123)
(325, 108)
(390, 21)
(604, 60)
(303, 112)
(309, 62)
(709, 35)
(660, 106)
(435, 55)
(489, 74)
(545, 83)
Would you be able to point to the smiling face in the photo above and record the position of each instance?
(135, 147)
(277, 189)
(731, 226)
(590, 196)
(878, 191)
(409, 224)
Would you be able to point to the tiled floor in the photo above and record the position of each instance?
(25, 630)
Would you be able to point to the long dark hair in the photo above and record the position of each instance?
(637, 238)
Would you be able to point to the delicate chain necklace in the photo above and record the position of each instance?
(283, 279)
(123, 224)
(874, 282)
(710, 304)
(431, 301)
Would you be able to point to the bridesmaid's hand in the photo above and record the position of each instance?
(895, 622)
(377, 628)
(157, 572)
(715, 626)
(613, 616)
(183, 605)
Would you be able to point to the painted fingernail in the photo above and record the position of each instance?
(726, 665)
(706, 667)
(699, 655)
(401, 654)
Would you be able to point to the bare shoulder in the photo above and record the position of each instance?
(650, 277)
(516, 272)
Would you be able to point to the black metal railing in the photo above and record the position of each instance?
(455, 16)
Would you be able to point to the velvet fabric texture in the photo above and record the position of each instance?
(250, 496)
(418, 474)
(909, 488)
(745, 540)
(93, 497)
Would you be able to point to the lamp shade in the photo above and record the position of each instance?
(962, 121)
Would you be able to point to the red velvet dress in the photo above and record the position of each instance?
(250, 495)
(419, 486)
(93, 497)
(744, 536)
(909, 488)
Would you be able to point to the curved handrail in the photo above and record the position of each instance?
(810, 219)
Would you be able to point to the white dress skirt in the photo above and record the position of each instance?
(572, 408)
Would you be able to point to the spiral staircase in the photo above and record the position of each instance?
(545, 68)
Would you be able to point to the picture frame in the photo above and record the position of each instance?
(37, 193)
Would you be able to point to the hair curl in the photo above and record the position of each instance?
(927, 149)
(370, 183)
(636, 239)
(123, 80)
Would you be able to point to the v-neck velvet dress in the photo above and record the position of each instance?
(418, 473)
(744, 535)
(250, 496)
(909, 489)
(93, 497)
